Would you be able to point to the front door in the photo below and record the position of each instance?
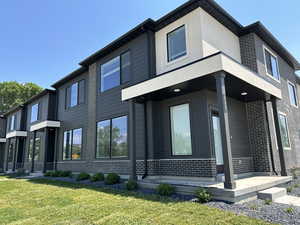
(217, 139)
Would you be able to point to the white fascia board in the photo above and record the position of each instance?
(219, 62)
(2, 140)
(195, 70)
(16, 133)
(44, 124)
(248, 76)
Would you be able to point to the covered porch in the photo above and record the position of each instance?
(217, 73)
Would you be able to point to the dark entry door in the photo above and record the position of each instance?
(217, 142)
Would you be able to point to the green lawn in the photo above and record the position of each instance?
(51, 202)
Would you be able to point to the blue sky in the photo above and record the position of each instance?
(42, 41)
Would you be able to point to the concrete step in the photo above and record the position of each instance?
(272, 193)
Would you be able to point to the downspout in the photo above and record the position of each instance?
(146, 142)
(270, 140)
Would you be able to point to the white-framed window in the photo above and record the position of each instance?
(176, 43)
(181, 130)
(284, 131)
(271, 64)
(34, 112)
(292, 94)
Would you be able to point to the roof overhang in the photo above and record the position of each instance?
(16, 133)
(2, 140)
(206, 66)
(45, 124)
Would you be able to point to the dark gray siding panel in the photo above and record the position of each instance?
(2, 127)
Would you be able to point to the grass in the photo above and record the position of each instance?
(52, 202)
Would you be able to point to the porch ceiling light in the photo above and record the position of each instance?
(244, 93)
(177, 90)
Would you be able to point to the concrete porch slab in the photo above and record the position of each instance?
(246, 188)
(289, 200)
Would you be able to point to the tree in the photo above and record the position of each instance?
(13, 93)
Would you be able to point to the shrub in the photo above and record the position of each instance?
(268, 202)
(21, 172)
(165, 189)
(65, 173)
(294, 173)
(289, 210)
(296, 185)
(203, 195)
(131, 185)
(97, 177)
(289, 189)
(55, 173)
(48, 174)
(83, 176)
(112, 178)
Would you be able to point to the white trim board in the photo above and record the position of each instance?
(16, 133)
(213, 64)
(2, 140)
(44, 124)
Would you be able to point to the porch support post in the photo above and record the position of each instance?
(46, 149)
(33, 152)
(278, 135)
(132, 141)
(224, 124)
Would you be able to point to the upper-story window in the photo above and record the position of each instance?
(293, 94)
(271, 64)
(12, 125)
(75, 94)
(115, 72)
(176, 43)
(34, 113)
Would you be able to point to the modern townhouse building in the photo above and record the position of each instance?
(42, 128)
(194, 94)
(2, 142)
(15, 138)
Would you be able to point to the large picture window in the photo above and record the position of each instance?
(75, 94)
(293, 94)
(176, 44)
(284, 131)
(180, 130)
(34, 113)
(72, 144)
(271, 64)
(36, 153)
(112, 138)
(115, 72)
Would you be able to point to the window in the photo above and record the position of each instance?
(115, 72)
(72, 144)
(12, 122)
(271, 64)
(10, 155)
(284, 131)
(36, 153)
(75, 94)
(112, 138)
(180, 130)
(176, 44)
(293, 94)
(34, 113)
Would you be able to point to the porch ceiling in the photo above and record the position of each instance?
(16, 133)
(198, 75)
(2, 140)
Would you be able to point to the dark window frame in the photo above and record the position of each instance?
(110, 144)
(168, 47)
(71, 144)
(128, 51)
(68, 98)
(170, 127)
(38, 112)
